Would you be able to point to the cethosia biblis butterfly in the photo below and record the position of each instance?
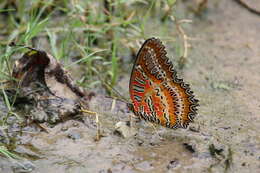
(157, 94)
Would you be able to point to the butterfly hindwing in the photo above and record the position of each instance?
(156, 92)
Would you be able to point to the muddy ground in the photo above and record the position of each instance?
(224, 72)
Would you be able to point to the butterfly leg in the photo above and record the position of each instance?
(98, 135)
(151, 125)
(40, 125)
(130, 120)
(113, 105)
(133, 119)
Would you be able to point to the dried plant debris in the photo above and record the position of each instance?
(47, 87)
(198, 7)
(252, 6)
(223, 156)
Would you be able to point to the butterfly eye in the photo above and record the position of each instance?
(130, 107)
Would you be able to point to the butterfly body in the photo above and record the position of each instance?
(157, 94)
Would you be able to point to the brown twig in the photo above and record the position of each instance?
(245, 5)
(168, 11)
(185, 38)
(42, 126)
(98, 135)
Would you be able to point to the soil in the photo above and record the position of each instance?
(224, 72)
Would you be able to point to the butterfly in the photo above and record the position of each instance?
(157, 94)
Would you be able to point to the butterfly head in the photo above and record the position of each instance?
(130, 107)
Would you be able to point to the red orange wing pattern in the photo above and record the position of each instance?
(157, 94)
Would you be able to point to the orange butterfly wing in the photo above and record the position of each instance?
(157, 94)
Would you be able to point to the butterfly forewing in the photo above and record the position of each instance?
(156, 92)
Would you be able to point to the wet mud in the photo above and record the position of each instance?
(224, 72)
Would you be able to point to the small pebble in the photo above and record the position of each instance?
(173, 163)
(74, 135)
(123, 129)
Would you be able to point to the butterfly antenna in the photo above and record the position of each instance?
(107, 85)
(114, 90)
(117, 98)
(121, 97)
